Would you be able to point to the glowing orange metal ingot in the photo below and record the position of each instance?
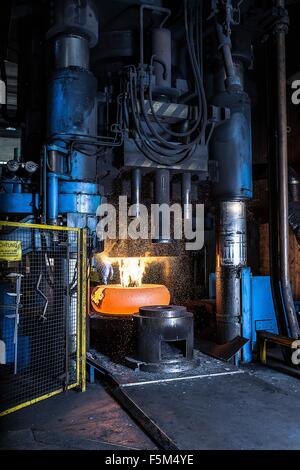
(118, 300)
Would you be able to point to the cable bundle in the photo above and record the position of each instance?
(156, 141)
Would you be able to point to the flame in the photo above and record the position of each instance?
(132, 271)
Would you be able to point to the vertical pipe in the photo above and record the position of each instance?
(162, 52)
(232, 191)
(271, 87)
(136, 188)
(246, 314)
(232, 78)
(231, 259)
(162, 187)
(44, 178)
(167, 15)
(280, 32)
(186, 196)
(52, 198)
(233, 234)
(162, 197)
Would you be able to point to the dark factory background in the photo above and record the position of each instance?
(165, 102)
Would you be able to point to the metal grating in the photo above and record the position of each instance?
(40, 313)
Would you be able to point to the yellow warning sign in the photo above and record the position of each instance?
(10, 251)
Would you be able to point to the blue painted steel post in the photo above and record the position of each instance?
(92, 374)
(52, 198)
(212, 286)
(247, 315)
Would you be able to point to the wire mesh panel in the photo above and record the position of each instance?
(40, 313)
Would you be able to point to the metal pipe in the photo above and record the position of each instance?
(232, 191)
(280, 33)
(231, 260)
(136, 188)
(71, 51)
(233, 234)
(44, 178)
(167, 11)
(232, 78)
(52, 198)
(162, 197)
(186, 196)
(247, 315)
(162, 51)
(228, 62)
(162, 187)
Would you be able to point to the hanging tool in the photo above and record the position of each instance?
(43, 316)
(18, 278)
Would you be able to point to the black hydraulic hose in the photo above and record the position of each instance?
(154, 155)
(137, 128)
(169, 153)
(201, 92)
(199, 87)
(154, 58)
(196, 69)
(159, 149)
(179, 147)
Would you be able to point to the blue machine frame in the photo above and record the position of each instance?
(258, 310)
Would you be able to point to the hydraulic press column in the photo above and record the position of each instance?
(73, 194)
(231, 148)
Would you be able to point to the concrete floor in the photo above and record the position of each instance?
(95, 421)
(223, 412)
(90, 421)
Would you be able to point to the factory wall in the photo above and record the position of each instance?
(294, 258)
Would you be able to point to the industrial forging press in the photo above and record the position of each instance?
(139, 142)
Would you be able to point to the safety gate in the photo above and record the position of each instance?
(42, 312)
